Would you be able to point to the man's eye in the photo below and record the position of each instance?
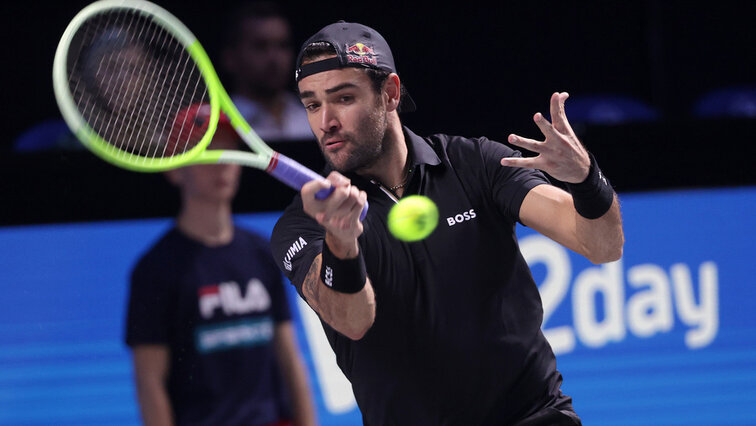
(346, 98)
(311, 107)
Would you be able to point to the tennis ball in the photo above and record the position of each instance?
(413, 218)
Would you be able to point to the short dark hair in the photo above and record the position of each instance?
(247, 10)
(320, 49)
(317, 50)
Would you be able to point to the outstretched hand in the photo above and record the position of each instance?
(561, 154)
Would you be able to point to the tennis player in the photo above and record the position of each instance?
(208, 321)
(445, 331)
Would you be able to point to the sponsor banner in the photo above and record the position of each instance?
(666, 335)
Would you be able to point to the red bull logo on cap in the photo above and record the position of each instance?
(360, 49)
(361, 54)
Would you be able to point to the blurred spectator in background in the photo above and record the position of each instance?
(208, 321)
(47, 135)
(258, 57)
(727, 102)
(609, 109)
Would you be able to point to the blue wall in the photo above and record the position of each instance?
(667, 335)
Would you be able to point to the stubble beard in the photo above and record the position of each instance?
(367, 144)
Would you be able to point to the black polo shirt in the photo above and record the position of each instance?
(457, 337)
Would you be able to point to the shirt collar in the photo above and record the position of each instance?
(420, 150)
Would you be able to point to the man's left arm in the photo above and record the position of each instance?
(588, 219)
(550, 211)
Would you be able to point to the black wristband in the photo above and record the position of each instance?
(594, 196)
(342, 275)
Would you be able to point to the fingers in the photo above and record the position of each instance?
(555, 108)
(559, 123)
(337, 179)
(529, 144)
(529, 163)
(313, 187)
(543, 124)
(558, 114)
(341, 209)
(559, 146)
(356, 211)
(556, 105)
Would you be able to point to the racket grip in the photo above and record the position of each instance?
(296, 175)
(324, 193)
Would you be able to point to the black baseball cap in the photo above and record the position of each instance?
(356, 45)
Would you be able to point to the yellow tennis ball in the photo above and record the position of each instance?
(413, 218)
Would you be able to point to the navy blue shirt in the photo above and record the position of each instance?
(216, 309)
(456, 338)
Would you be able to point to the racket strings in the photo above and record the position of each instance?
(158, 77)
(114, 90)
(106, 68)
(131, 80)
(126, 133)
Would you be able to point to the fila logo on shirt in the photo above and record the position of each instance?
(227, 296)
(461, 217)
(292, 251)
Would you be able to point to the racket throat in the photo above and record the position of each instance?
(272, 164)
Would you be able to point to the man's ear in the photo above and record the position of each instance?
(392, 89)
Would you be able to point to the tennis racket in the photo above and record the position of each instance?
(125, 73)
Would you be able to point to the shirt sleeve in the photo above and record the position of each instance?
(296, 240)
(508, 185)
(265, 269)
(281, 309)
(279, 303)
(149, 307)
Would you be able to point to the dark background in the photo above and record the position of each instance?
(474, 70)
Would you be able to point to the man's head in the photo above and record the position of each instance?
(348, 44)
(348, 84)
(115, 69)
(258, 52)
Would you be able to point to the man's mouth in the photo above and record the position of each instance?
(333, 144)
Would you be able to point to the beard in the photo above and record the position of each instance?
(364, 147)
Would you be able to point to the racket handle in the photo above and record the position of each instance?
(324, 193)
(296, 175)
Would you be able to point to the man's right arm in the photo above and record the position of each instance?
(151, 363)
(351, 313)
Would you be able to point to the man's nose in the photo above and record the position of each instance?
(328, 121)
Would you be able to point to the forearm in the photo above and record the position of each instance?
(302, 405)
(598, 219)
(151, 365)
(295, 376)
(155, 406)
(602, 239)
(551, 211)
(347, 302)
(351, 314)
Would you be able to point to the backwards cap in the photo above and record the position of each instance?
(356, 45)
